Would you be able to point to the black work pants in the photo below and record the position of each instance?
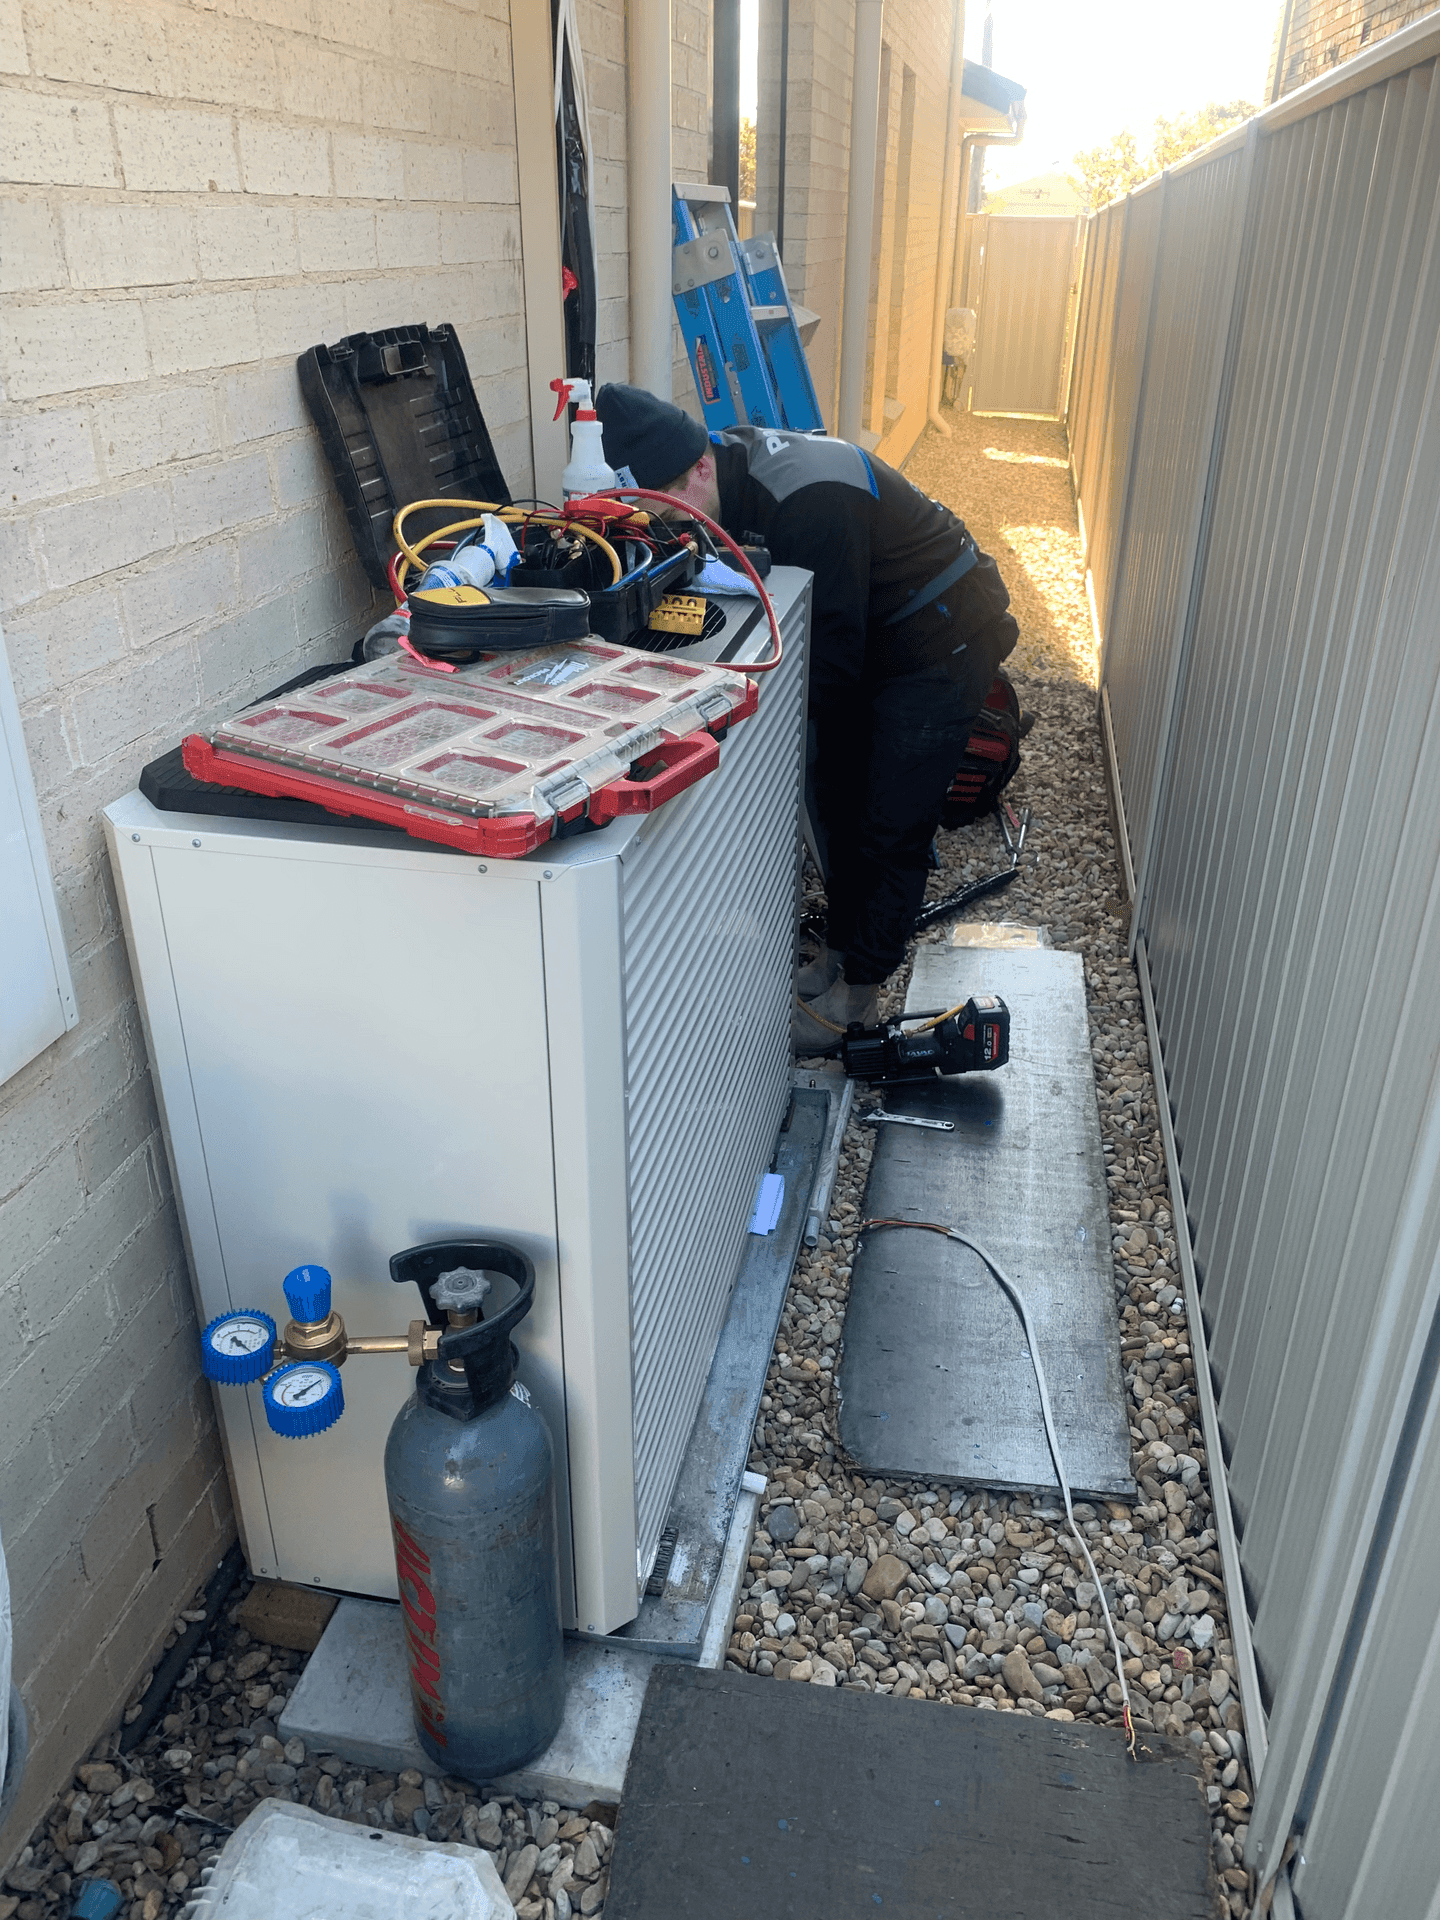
(883, 759)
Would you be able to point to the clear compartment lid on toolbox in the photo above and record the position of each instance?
(534, 732)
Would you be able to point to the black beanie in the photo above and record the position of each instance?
(656, 441)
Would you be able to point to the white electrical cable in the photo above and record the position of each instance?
(1017, 1300)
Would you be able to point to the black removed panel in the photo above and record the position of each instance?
(168, 785)
(399, 421)
(936, 1380)
(792, 1802)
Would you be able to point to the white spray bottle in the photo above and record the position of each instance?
(587, 471)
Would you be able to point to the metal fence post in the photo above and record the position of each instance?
(1197, 541)
(1107, 393)
(1118, 545)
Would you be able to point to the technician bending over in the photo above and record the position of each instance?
(909, 623)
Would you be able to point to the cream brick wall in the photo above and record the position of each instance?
(823, 41)
(882, 265)
(917, 34)
(603, 31)
(192, 192)
(690, 145)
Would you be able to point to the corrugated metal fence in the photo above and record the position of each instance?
(1255, 442)
(1019, 275)
(1024, 311)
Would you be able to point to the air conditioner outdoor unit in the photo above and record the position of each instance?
(360, 1042)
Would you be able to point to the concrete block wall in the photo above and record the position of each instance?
(888, 188)
(918, 33)
(690, 78)
(192, 192)
(603, 30)
(767, 116)
(602, 35)
(821, 65)
(817, 166)
(826, 41)
(1322, 33)
(907, 198)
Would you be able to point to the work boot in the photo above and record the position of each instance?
(817, 1026)
(821, 973)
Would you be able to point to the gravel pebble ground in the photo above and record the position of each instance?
(973, 1598)
(152, 1820)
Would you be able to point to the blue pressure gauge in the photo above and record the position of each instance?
(304, 1398)
(308, 1291)
(237, 1347)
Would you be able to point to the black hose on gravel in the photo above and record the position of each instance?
(178, 1658)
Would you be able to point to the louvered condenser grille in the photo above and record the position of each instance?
(708, 919)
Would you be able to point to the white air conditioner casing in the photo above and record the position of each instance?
(361, 1042)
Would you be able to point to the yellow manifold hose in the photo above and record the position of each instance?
(513, 516)
(923, 1027)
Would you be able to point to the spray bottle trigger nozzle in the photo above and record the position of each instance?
(573, 392)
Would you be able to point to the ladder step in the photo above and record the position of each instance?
(737, 320)
(697, 193)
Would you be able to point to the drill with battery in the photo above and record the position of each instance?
(974, 1038)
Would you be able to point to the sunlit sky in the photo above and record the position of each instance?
(1090, 69)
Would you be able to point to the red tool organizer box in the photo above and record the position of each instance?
(493, 758)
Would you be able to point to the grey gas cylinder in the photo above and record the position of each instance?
(470, 1479)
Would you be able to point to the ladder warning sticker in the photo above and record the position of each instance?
(705, 371)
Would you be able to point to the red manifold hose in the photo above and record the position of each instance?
(598, 506)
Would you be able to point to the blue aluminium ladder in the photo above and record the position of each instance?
(737, 319)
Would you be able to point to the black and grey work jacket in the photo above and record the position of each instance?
(900, 585)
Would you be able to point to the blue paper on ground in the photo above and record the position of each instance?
(768, 1202)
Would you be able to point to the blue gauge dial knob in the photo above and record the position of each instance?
(305, 1397)
(308, 1291)
(237, 1347)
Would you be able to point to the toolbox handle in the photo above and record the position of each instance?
(682, 763)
